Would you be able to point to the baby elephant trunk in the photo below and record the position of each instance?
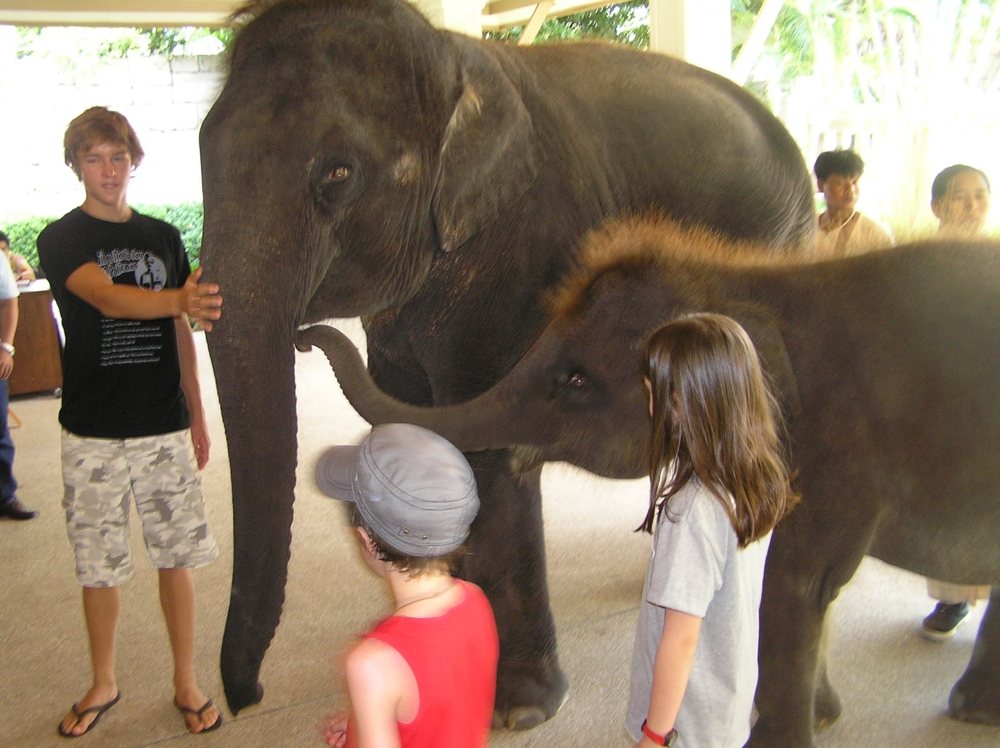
(474, 426)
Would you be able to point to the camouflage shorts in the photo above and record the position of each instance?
(161, 473)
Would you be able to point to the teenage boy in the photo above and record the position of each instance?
(132, 416)
(843, 231)
(426, 675)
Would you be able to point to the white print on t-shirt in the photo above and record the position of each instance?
(129, 341)
(150, 272)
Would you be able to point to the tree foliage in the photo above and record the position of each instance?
(912, 83)
(626, 23)
(876, 50)
(69, 42)
(176, 41)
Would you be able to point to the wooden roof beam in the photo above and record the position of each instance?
(139, 13)
(754, 43)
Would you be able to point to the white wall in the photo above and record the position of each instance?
(164, 100)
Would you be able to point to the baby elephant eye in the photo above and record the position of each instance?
(576, 380)
(338, 174)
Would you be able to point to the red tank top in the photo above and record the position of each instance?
(454, 660)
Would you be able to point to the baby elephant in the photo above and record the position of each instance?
(887, 366)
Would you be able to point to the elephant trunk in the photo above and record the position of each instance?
(477, 425)
(259, 414)
(253, 355)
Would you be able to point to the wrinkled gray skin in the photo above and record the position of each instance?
(886, 365)
(360, 163)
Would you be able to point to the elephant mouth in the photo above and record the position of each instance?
(524, 459)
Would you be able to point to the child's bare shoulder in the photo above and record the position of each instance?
(373, 655)
(373, 664)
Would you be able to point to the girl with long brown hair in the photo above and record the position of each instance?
(718, 486)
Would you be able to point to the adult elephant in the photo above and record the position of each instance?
(886, 366)
(359, 162)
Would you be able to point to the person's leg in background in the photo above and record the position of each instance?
(10, 507)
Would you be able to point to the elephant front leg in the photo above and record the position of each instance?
(976, 695)
(507, 559)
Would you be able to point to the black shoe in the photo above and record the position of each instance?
(943, 621)
(16, 510)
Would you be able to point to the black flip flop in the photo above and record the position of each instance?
(197, 713)
(99, 710)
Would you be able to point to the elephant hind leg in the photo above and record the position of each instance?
(976, 695)
(826, 705)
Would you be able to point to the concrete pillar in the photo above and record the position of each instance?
(463, 16)
(699, 31)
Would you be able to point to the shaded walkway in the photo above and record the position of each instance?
(894, 685)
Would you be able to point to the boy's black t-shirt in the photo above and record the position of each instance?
(121, 377)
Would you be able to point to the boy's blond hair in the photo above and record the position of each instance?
(95, 126)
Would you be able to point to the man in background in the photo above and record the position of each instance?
(843, 231)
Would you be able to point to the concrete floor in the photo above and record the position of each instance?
(894, 685)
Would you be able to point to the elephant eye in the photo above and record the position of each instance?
(576, 388)
(333, 181)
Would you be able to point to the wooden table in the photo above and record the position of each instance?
(38, 361)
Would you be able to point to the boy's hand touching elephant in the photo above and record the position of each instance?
(201, 301)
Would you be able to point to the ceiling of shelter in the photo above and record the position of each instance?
(117, 12)
(144, 13)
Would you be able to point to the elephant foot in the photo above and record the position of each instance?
(766, 734)
(521, 718)
(975, 699)
(826, 708)
(239, 697)
(525, 700)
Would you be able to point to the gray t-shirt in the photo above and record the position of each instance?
(697, 567)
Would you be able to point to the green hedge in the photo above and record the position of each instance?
(187, 217)
(23, 235)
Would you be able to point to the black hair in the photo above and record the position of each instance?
(943, 180)
(4, 238)
(842, 161)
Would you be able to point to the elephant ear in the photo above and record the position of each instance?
(765, 332)
(489, 155)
